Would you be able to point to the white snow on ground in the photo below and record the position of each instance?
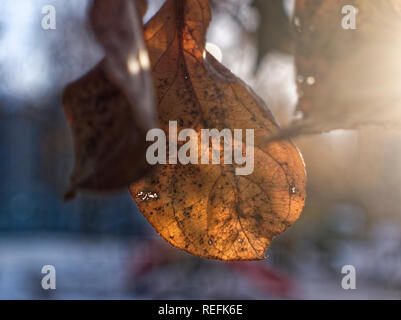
(99, 268)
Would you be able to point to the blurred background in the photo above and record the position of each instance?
(102, 247)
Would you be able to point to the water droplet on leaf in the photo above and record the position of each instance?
(144, 196)
(311, 81)
(300, 78)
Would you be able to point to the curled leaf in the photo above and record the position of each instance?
(275, 32)
(118, 27)
(208, 210)
(347, 78)
(111, 108)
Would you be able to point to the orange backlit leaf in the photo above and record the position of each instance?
(207, 210)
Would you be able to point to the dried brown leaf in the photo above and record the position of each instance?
(111, 108)
(207, 210)
(275, 32)
(347, 78)
(118, 28)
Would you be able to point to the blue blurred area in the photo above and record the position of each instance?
(35, 162)
(36, 154)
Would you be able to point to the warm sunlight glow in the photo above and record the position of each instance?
(214, 50)
(144, 59)
(133, 65)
